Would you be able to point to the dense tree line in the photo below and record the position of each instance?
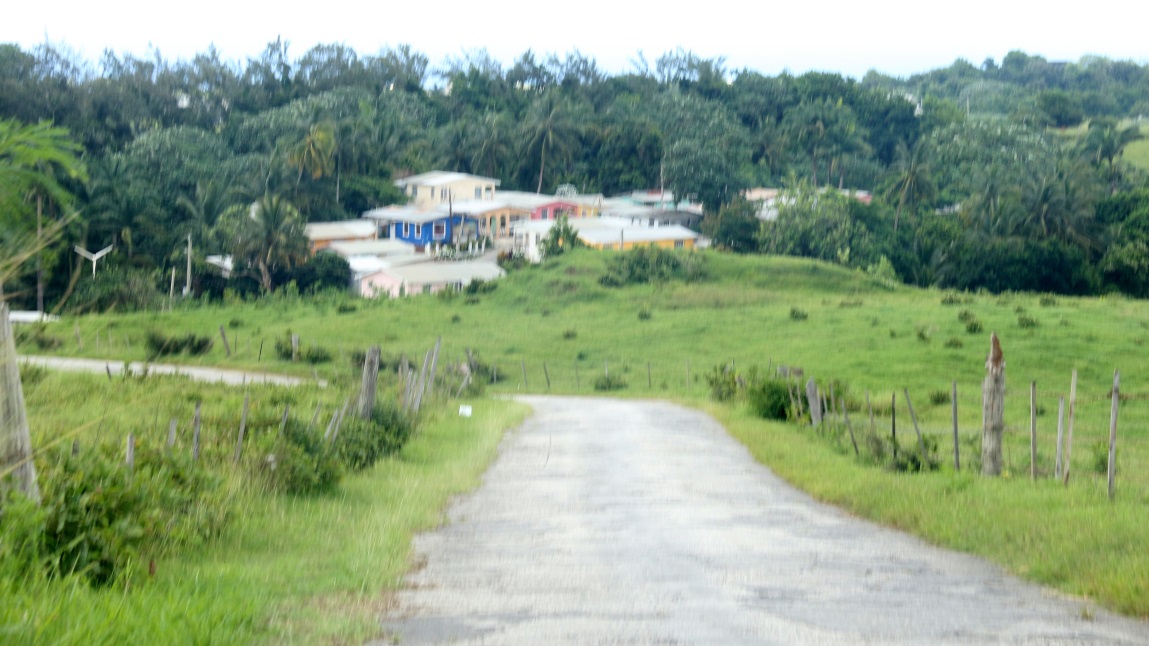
(974, 184)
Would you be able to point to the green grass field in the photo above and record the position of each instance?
(287, 569)
(1137, 153)
(867, 337)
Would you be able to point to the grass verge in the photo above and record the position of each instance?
(292, 570)
(1073, 540)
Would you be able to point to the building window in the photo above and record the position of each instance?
(478, 192)
(406, 229)
(414, 191)
(439, 230)
(678, 244)
(418, 231)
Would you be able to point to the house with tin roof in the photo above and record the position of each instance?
(443, 187)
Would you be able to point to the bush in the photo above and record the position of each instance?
(644, 314)
(299, 461)
(770, 399)
(479, 286)
(965, 316)
(1026, 321)
(939, 397)
(954, 342)
(99, 517)
(723, 383)
(315, 354)
(361, 443)
(609, 382)
(798, 315)
(570, 334)
(159, 345)
(974, 327)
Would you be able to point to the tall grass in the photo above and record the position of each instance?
(288, 569)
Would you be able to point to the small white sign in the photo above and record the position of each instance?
(464, 410)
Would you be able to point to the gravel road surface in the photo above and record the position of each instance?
(230, 377)
(623, 522)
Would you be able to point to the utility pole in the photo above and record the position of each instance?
(188, 286)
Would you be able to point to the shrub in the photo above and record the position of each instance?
(770, 399)
(99, 516)
(644, 314)
(609, 382)
(361, 443)
(954, 342)
(346, 308)
(570, 334)
(1047, 300)
(1026, 321)
(723, 383)
(965, 316)
(1100, 457)
(316, 354)
(798, 315)
(974, 327)
(939, 397)
(299, 461)
(159, 345)
(479, 286)
(923, 333)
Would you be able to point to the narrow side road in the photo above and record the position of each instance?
(623, 522)
(224, 375)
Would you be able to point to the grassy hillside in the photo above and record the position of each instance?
(1137, 153)
(756, 311)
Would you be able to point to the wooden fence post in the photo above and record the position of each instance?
(429, 388)
(369, 383)
(226, 345)
(295, 347)
(1069, 433)
(688, 374)
(1113, 430)
(15, 435)
(523, 365)
(130, 452)
(814, 402)
(649, 383)
(79, 339)
(846, 417)
(954, 406)
(547, 374)
(894, 424)
(195, 432)
(921, 440)
(171, 433)
(871, 409)
(1033, 431)
(242, 429)
(578, 386)
(1060, 431)
(259, 358)
(993, 410)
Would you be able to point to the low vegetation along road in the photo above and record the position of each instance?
(638, 522)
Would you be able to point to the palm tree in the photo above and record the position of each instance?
(33, 161)
(910, 183)
(31, 157)
(551, 130)
(266, 235)
(315, 153)
(1105, 143)
(492, 146)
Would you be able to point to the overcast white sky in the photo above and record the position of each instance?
(897, 37)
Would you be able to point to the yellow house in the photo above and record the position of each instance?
(671, 237)
(495, 218)
(442, 187)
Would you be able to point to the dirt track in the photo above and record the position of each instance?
(617, 522)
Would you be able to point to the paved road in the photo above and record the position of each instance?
(616, 522)
(230, 377)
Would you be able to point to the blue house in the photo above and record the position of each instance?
(425, 227)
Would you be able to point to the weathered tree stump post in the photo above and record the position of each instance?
(15, 437)
(918, 430)
(369, 383)
(295, 347)
(814, 401)
(993, 409)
